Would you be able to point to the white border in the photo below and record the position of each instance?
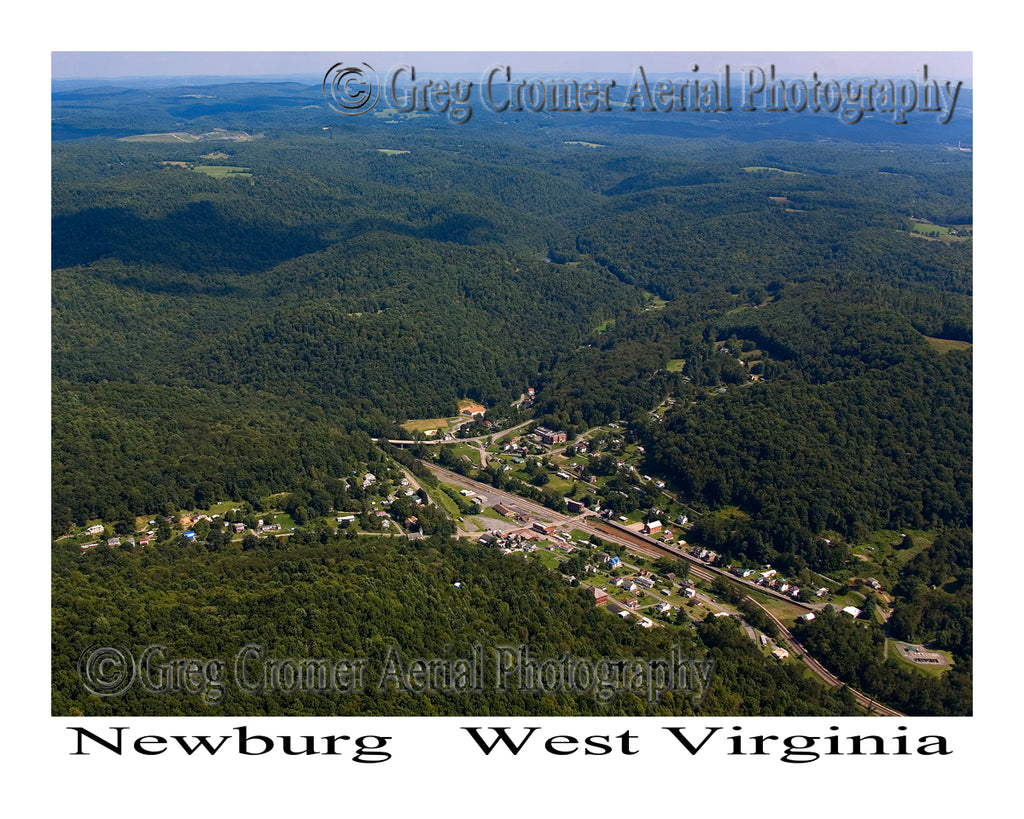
(439, 768)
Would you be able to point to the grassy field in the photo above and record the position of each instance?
(469, 451)
(547, 558)
(174, 137)
(786, 612)
(445, 502)
(222, 171)
(675, 365)
(944, 345)
(425, 424)
(756, 168)
(884, 544)
(930, 231)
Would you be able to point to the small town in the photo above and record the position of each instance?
(582, 507)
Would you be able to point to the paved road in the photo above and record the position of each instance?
(477, 439)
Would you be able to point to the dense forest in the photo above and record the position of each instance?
(358, 598)
(783, 320)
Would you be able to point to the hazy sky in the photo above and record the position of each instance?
(880, 64)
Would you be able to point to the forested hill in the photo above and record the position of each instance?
(349, 598)
(383, 269)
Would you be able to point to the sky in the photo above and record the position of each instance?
(875, 64)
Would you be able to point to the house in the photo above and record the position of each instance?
(614, 561)
(853, 611)
(116, 541)
(646, 622)
(574, 506)
(806, 617)
(633, 602)
(600, 597)
(664, 607)
(94, 530)
(646, 582)
(504, 511)
(780, 653)
(690, 592)
(618, 581)
(239, 528)
(651, 527)
(540, 528)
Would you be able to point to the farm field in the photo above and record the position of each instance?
(222, 171)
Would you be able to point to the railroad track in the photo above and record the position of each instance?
(651, 548)
(872, 706)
